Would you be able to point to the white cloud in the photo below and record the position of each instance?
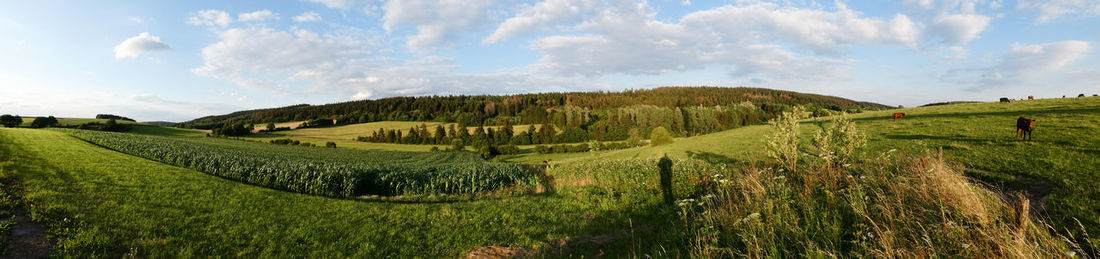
(265, 58)
(137, 45)
(538, 17)
(307, 17)
(1049, 10)
(761, 41)
(210, 18)
(1022, 62)
(437, 22)
(959, 28)
(258, 16)
(335, 3)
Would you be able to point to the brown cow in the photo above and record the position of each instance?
(1031, 97)
(899, 115)
(1024, 126)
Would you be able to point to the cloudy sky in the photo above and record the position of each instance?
(177, 60)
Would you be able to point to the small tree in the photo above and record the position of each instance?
(271, 127)
(457, 144)
(10, 121)
(330, 144)
(635, 138)
(783, 144)
(659, 136)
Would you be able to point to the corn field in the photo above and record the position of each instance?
(317, 171)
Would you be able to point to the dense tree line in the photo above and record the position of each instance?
(561, 109)
(111, 116)
(111, 125)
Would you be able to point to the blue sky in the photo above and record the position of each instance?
(161, 60)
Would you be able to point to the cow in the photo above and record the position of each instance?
(1031, 97)
(1005, 100)
(1024, 126)
(1080, 95)
(899, 115)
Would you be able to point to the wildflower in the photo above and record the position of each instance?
(781, 170)
(892, 150)
(965, 245)
(847, 165)
(723, 181)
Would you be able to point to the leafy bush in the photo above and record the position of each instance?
(42, 122)
(783, 144)
(10, 121)
(660, 136)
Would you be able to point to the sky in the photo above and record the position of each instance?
(179, 60)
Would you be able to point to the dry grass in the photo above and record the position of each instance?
(909, 208)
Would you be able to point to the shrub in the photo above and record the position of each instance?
(508, 149)
(330, 144)
(783, 144)
(659, 136)
(836, 143)
(42, 122)
(10, 121)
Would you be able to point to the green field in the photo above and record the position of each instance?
(102, 202)
(73, 121)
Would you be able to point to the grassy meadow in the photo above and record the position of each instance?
(944, 181)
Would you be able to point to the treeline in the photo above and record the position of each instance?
(526, 108)
(571, 124)
(111, 116)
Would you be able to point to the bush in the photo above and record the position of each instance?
(322, 122)
(111, 125)
(111, 116)
(836, 143)
(783, 144)
(330, 144)
(659, 136)
(42, 122)
(508, 149)
(10, 121)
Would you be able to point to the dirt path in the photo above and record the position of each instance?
(28, 239)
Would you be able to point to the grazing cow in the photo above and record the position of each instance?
(1005, 100)
(1081, 95)
(1024, 126)
(899, 115)
(1031, 97)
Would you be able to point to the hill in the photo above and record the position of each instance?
(524, 108)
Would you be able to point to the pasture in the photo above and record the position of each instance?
(172, 192)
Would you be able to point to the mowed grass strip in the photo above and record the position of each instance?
(104, 203)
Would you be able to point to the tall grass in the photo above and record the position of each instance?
(890, 207)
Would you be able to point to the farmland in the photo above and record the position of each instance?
(605, 201)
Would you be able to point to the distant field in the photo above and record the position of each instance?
(74, 121)
(344, 136)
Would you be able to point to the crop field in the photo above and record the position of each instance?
(328, 172)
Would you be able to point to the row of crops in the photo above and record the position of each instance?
(327, 172)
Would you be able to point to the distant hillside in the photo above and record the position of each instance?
(161, 123)
(527, 108)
